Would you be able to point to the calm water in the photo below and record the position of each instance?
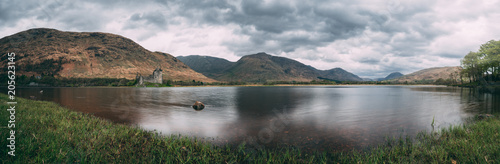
(316, 118)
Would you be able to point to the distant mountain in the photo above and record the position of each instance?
(391, 76)
(89, 55)
(430, 74)
(207, 65)
(367, 79)
(262, 67)
(338, 74)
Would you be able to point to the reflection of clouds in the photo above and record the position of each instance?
(183, 122)
(451, 105)
(364, 115)
(173, 113)
(122, 104)
(96, 101)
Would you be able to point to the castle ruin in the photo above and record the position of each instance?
(156, 77)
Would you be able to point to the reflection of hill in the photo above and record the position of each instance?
(101, 102)
(259, 102)
(267, 117)
(259, 107)
(436, 89)
(473, 101)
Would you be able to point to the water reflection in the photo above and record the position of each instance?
(318, 118)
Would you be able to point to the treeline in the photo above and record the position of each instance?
(371, 82)
(417, 82)
(199, 83)
(313, 82)
(483, 65)
(232, 83)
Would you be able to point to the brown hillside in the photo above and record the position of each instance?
(89, 55)
(430, 74)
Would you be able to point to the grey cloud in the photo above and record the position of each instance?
(69, 15)
(371, 61)
(154, 18)
(122, 4)
(199, 12)
(257, 8)
(415, 41)
(386, 70)
(448, 55)
(82, 23)
(340, 20)
(13, 11)
(271, 20)
(328, 22)
(48, 10)
(73, 15)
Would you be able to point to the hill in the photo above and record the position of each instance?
(207, 65)
(89, 55)
(430, 75)
(262, 67)
(391, 76)
(338, 74)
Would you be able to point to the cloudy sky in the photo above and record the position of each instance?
(368, 38)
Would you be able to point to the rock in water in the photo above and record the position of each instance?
(485, 116)
(198, 105)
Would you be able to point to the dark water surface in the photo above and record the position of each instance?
(310, 117)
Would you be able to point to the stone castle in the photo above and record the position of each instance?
(156, 77)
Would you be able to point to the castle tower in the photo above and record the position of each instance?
(140, 79)
(158, 75)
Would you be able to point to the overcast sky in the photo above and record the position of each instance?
(368, 38)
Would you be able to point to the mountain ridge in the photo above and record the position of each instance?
(262, 67)
(206, 65)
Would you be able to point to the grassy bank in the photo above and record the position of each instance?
(48, 133)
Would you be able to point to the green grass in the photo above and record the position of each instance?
(49, 133)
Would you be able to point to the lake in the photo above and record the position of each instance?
(309, 117)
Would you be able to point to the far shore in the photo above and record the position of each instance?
(314, 85)
(246, 85)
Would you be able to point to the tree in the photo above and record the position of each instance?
(472, 68)
(491, 53)
(485, 62)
